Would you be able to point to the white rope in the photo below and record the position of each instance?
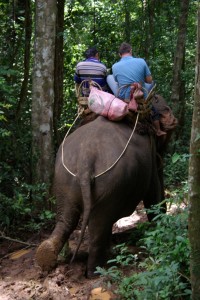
(80, 111)
(122, 151)
(64, 142)
(113, 163)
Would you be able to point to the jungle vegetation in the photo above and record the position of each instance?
(164, 33)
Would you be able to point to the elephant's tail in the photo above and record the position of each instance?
(87, 202)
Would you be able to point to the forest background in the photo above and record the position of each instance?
(161, 32)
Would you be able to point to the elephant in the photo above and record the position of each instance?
(103, 170)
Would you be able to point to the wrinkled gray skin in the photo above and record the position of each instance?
(88, 151)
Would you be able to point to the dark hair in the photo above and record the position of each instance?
(125, 48)
(91, 52)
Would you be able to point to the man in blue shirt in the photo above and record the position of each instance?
(131, 70)
(91, 69)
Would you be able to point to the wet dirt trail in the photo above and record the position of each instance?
(22, 279)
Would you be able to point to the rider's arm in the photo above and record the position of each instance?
(149, 79)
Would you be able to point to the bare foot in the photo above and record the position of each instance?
(160, 132)
(87, 111)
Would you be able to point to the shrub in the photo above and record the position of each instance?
(176, 168)
(164, 272)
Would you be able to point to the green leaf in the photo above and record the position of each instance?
(197, 137)
(175, 157)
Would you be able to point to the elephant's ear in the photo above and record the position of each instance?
(167, 119)
(159, 103)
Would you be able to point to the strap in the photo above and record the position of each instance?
(83, 100)
(80, 86)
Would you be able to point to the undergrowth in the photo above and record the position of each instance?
(20, 213)
(163, 271)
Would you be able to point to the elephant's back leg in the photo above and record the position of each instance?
(68, 215)
(100, 231)
(153, 195)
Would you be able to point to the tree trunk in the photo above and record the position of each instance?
(127, 22)
(149, 14)
(194, 179)
(59, 65)
(178, 82)
(28, 33)
(43, 93)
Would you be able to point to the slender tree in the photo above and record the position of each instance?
(27, 55)
(59, 68)
(43, 92)
(149, 19)
(127, 27)
(194, 179)
(178, 82)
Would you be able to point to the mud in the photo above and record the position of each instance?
(22, 279)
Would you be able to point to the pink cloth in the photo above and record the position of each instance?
(107, 105)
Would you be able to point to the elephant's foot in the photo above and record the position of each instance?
(46, 255)
(91, 274)
(91, 270)
(97, 258)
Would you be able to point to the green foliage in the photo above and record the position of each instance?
(15, 133)
(164, 273)
(175, 168)
(122, 258)
(45, 220)
(19, 212)
(114, 274)
(152, 31)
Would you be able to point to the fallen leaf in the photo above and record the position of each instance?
(18, 254)
(100, 294)
(73, 291)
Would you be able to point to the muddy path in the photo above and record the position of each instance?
(22, 279)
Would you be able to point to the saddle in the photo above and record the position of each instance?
(137, 103)
(82, 93)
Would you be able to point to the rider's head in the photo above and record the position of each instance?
(125, 48)
(91, 52)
